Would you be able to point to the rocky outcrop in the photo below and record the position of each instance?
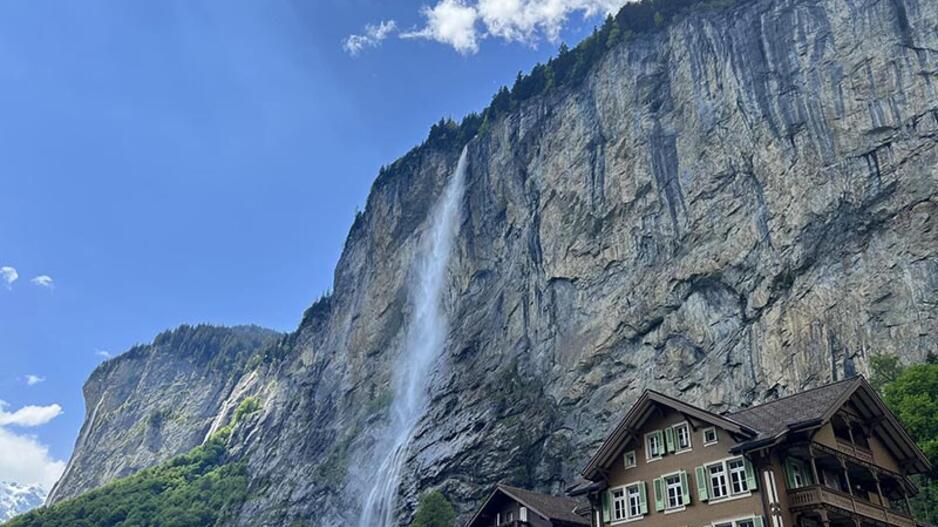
(733, 208)
(159, 400)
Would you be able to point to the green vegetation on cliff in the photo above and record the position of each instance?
(568, 69)
(191, 490)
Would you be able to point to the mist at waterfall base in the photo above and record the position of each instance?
(423, 345)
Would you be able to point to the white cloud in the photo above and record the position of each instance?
(24, 460)
(462, 25)
(450, 22)
(8, 275)
(103, 353)
(29, 416)
(44, 280)
(373, 37)
(32, 380)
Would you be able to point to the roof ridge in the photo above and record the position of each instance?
(809, 390)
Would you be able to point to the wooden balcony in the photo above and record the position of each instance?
(817, 496)
(856, 451)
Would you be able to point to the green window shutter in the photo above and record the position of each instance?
(790, 472)
(757, 521)
(702, 494)
(669, 439)
(750, 475)
(607, 516)
(642, 498)
(659, 494)
(685, 488)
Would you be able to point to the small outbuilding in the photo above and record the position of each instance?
(513, 507)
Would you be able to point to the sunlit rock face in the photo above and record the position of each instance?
(734, 208)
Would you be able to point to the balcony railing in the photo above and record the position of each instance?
(856, 451)
(514, 523)
(817, 495)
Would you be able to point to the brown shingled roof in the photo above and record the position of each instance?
(774, 417)
(548, 507)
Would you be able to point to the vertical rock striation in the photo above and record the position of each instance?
(736, 207)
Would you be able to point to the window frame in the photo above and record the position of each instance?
(625, 459)
(659, 440)
(684, 425)
(740, 473)
(638, 500)
(737, 522)
(728, 480)
(626, 503)
(723, 476)
(613, 510)
(667, 492)
(716, 436)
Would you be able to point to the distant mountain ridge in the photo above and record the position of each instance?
(15, 499)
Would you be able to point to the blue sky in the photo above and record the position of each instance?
(186, 161)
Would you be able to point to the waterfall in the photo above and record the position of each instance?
(423, 344)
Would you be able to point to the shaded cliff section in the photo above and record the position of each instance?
(733, 208)
(160, 400)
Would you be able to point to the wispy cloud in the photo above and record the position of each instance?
(44, 280)
(462, 24)
(29, 416)
(22, 457)
(8, 275)
(32, 380)
(103, 354)
(373, 36)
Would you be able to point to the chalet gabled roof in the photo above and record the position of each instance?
(640, 411)
(558, 509)
(770, 423)
(812, 408)
(780, 415)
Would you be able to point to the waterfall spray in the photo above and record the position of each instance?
(423, 344)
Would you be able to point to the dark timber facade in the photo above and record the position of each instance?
(833, 456)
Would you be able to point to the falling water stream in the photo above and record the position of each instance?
(423, 344)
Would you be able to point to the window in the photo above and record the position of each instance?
(523, 514)
(724, 479)
(737, 469)
(797, 474)
(628, 502)
(635, 500)
(710, 436)
(654, 447)
(629, 459)
(682, 437)
(755, 521)
(619, 511)
(674, 491)
(511, 517)
(717, 473)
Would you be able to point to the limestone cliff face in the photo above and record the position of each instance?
(734, 208)
(159, 400)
